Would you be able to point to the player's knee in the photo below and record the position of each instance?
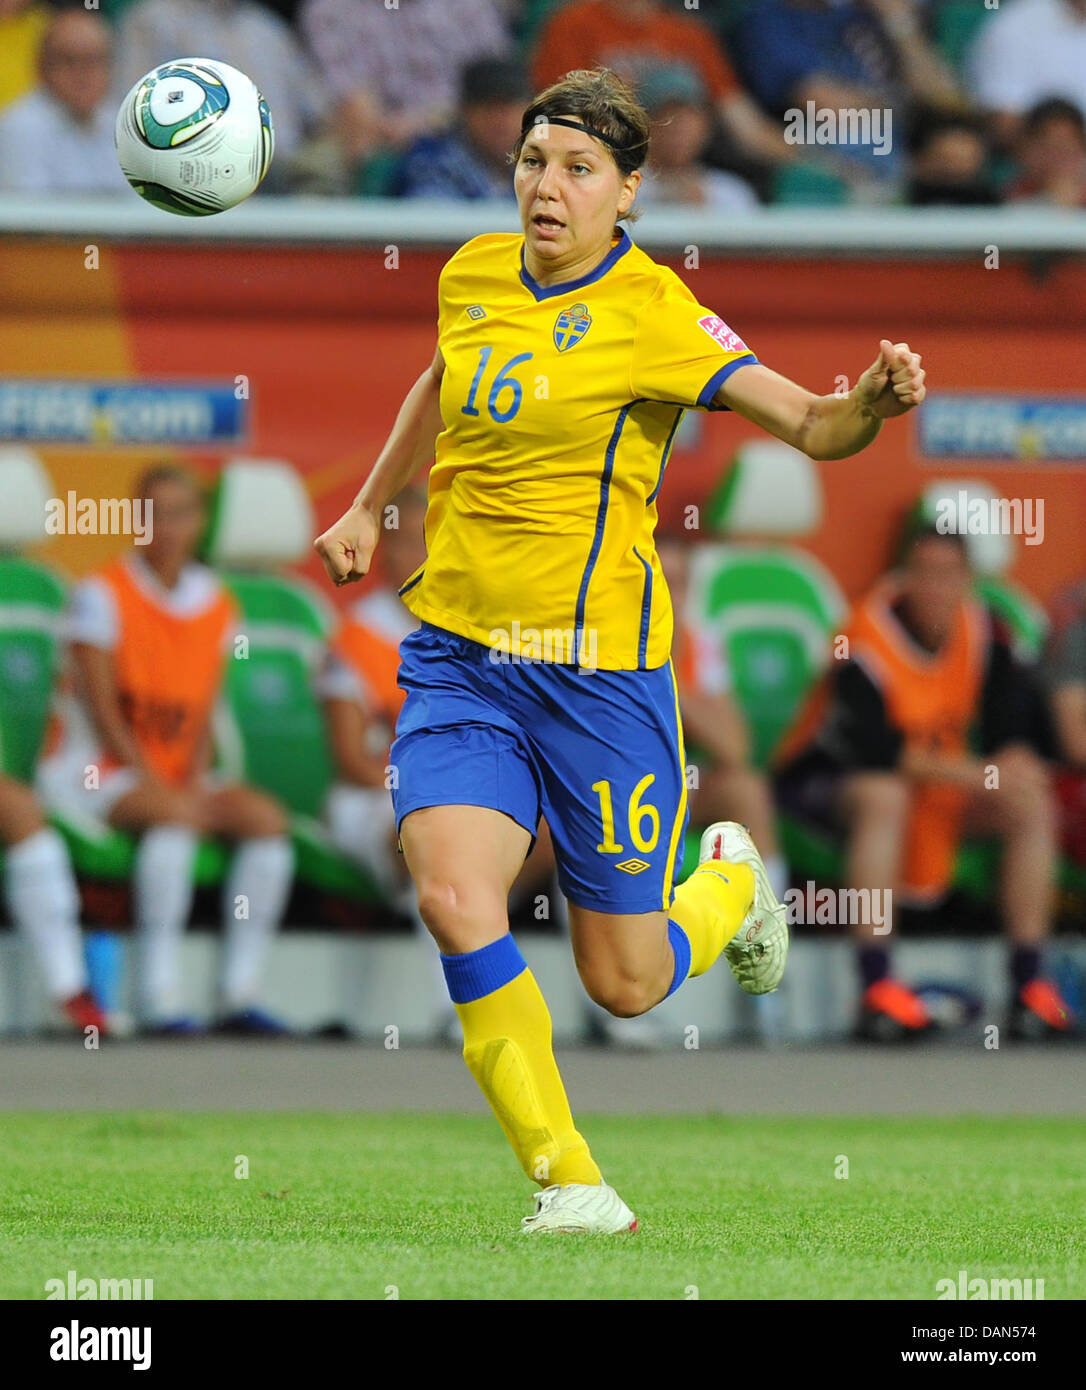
(178, 808)
(457, 919)
(1029, 802)
(20, 815)
(262, 816)
(622, 998)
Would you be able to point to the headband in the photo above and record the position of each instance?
(579, 125)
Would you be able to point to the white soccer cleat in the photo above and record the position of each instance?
(592, 1209)
(759, 949)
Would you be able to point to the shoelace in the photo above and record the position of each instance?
(545, 1198)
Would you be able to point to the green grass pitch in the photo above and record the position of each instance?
(359, 1205)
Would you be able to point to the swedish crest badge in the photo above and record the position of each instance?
(570, 326)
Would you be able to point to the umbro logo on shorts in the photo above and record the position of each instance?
(633, 866)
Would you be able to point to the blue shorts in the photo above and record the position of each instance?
(598, 754)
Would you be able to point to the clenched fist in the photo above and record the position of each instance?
(347, 547)
(894, 383)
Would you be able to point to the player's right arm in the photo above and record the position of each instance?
(347, 547)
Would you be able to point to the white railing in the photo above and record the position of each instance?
(380, 222)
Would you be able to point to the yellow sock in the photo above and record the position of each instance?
(710, 906)
(507, 1047)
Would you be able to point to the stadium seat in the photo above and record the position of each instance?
(1023, 615)
(31, 604)
(774, 607)
(271, 730)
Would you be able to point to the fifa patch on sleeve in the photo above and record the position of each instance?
(721, 334)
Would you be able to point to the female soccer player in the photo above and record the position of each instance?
(539, 682)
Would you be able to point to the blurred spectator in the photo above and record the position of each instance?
(729, 787)
(1065, 670)
(395, 72)
(632, 36)
(845, 54)
(43, 901)
(59, 137)
(22, 25)
(238, 32)
(150, 636)
(682, 119)
(948, 162)
(882, 752)
(1027, 51)
(471, 158)
(1052, 155)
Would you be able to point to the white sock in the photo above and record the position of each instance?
(258, 885)
(777, 872)
(163, 887)
(43, 901)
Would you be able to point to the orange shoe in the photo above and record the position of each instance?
(891, 1011)
(1041, 1012)
(81, 1010)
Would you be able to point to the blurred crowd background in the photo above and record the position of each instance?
(154, 774)
(423, 98)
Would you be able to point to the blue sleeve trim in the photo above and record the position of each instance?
(478, 973)
(717, 380)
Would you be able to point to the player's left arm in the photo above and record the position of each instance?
(828, 427)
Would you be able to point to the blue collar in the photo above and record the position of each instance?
(568, 286)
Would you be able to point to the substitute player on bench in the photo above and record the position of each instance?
(150, 637)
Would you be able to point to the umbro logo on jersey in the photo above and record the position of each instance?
(476, 311)
(570, 326)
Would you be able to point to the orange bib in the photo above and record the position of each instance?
(932, 698)
(377, 661)
(168, 672)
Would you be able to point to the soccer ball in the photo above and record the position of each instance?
(194, 137)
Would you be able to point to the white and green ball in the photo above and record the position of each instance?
(194, 137)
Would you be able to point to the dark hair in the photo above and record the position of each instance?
(488, 81)
(921, 527)
(928, 124)
(601, 100)
(1054, 109)
(165, 473)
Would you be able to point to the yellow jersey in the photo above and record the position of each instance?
(560, 405)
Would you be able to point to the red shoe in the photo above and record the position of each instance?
(81, 1010)
(891, 1011)
(1040, 1011)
